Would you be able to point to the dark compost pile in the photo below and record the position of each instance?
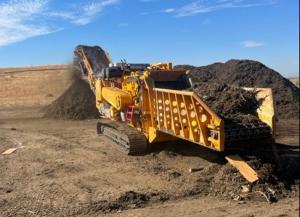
(243, 73)
(232, 104)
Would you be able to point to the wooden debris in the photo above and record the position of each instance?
(192, 170)
(244, 168)
(9, 151)
(245, 189)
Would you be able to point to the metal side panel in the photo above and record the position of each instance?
(184, 115)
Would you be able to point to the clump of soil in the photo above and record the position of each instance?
(129, 199)
(77, 103)
(248, 73)
(132, 197)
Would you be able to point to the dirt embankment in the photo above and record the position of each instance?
(295, 81)
(32, 86)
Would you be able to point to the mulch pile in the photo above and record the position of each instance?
(77, 103)
(243, 73)
(233, 104)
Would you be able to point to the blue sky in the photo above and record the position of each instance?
(197, 32)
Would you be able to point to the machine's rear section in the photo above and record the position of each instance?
(183, 114)
(256, 132)
(142, 104)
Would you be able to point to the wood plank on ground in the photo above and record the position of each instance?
(9, 151)
(245, 169)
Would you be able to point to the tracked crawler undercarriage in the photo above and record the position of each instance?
(134, 141)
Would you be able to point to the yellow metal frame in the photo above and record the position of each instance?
(184, 115)
(117, 97)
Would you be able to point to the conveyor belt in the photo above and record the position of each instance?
(96, 56)
(247, 132)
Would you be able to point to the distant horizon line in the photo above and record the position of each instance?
(66, 65)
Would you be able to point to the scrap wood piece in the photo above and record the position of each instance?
(192, 170)
(9, 151)
(244, 168)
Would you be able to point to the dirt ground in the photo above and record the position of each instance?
(295, 81)
(63, 168)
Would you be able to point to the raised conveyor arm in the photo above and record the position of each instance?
(91, 61)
